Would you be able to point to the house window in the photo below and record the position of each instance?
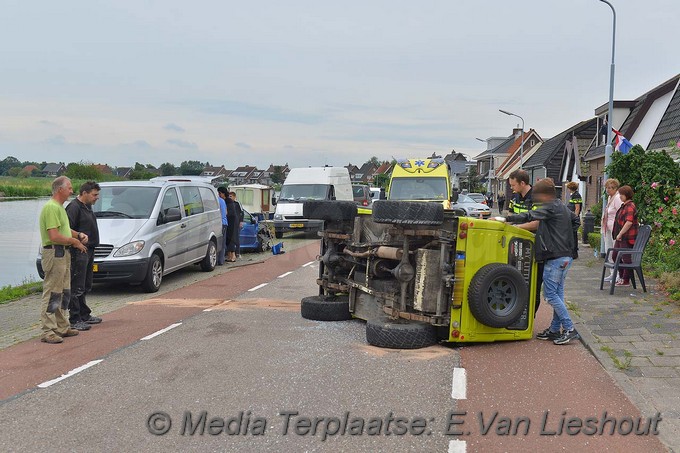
(532, 142)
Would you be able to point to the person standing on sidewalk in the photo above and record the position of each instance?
(239, 211)
(554, 245)
(82, 218)
(501, 203)
(609, 216)
(225, 223)
(625, 231)
(575, 205)
(57, 238)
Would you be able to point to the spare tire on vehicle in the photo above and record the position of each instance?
(385, 332)
(329, 210)
(498, 295)
(408, 212)
(325, 308)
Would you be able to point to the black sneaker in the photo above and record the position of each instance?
(567, 337)
(93, 320)
(548, 335)
(81, 326)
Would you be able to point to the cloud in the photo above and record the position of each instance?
(56, 140)
(261, 112)
(141, 144)
(243, 145)
(173, 127)
(182, 143)
(49, 123)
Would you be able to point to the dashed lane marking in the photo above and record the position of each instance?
(208, 309)
(162, 331)
(459, 384)
(285, 275)
(308, 264)
(255, 288)
(70, 373)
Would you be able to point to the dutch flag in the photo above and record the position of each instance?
(621, 143)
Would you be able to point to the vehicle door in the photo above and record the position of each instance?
(192, 206)
(172, 234)
(211, 219)
(248, 234)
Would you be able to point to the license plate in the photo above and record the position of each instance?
(297, 225)
(95, 268)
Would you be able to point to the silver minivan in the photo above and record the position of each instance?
(148, 229)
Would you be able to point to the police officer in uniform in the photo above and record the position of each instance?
(520, 202)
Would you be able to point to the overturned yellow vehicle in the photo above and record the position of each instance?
(419, 274)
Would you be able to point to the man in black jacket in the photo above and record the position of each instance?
(82, 219)
(554, 247)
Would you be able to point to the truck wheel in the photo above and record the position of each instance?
(332, 211)
(399, 334)
(408, 212)
(154, 275)
(209, 262)
(323, 308)
(498, 295)
(278, 234)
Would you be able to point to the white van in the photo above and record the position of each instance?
(313, 183)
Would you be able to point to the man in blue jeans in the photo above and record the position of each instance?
(554, 247)
(222, 193)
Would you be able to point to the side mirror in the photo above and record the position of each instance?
(273, 201)
(173, 215)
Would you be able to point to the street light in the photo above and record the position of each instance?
(610, 112)
(521, 146)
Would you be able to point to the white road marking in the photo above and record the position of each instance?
(459, 384)
(285, 275)
(255, 288)
(70, 373)
(208, 309)
(155, 334)
(457, 446)
(308, 264)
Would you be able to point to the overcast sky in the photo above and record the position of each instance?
(311, 82)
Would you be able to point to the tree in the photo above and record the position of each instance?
(381, 180)
(277, 175)
(7, 163)
(14, 171)
(191, 168)
(374, 160)
(83, 171)
(474, 184)
(168, 169)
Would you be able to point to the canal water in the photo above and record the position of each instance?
(19, 239)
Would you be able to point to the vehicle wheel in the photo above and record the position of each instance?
(399, 333)
(278, 234)
(498, 295)
(408, 212)
(329, 210)
(325, 308)
(210, 260)
(154, 275)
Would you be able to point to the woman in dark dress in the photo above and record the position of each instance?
(232, 229)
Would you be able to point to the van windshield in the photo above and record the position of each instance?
(297, 192)
(126, 202)
(432, 188)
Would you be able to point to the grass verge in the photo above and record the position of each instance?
(9, 293)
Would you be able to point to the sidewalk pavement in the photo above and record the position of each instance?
(636, 338)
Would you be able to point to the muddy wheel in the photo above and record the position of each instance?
(399, 334)
(408, 212)
(322, 308)
(331, 211)
(498, 295)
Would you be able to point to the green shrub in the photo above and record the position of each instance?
(594, 239)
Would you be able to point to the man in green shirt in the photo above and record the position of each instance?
(57, 239)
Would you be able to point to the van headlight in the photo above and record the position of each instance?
(278, 217)
(130, 249)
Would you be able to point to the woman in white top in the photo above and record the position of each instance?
(609, 215)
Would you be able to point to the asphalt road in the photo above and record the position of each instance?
(236, 344)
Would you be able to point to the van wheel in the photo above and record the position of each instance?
(325, 308)
(498, 295)
(154, 275)
(331, 211)
(384, 332)
(278, 234)
(209, 262)
(408, 212)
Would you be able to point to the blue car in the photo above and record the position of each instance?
(254, 236)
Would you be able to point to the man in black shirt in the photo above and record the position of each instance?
(575, 205)
(82, 218)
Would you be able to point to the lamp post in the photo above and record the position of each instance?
(610, 112)
(521, 146)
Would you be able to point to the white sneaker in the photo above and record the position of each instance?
(608, 279)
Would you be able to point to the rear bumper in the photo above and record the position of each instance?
(283, 226)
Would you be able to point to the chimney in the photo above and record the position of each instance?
(517, 132)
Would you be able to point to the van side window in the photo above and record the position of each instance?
(209, 200)
(170, 201)
(193, 204)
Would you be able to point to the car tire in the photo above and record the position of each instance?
(325, 308)
(209, 262)
(330, 211)
(154, 275)
(498, 295)
(278, 234)
(399, 333)
(408, 212)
